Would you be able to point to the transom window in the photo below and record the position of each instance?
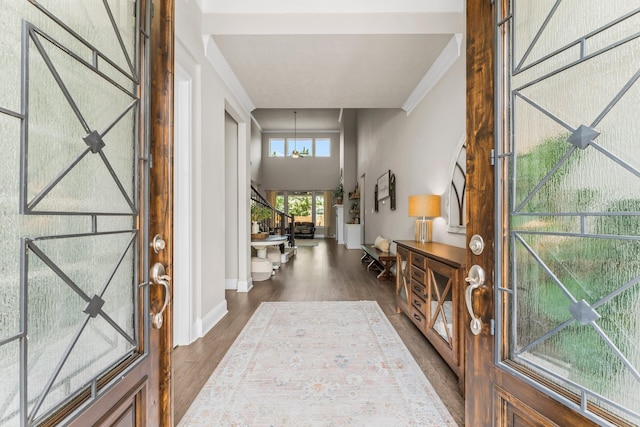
(304, 146)
(307, 147)
(276, 147)
(323, 147)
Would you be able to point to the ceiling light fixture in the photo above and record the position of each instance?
(295, 154)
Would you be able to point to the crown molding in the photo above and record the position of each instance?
(441, 65)
(215, 57)
(255, 122)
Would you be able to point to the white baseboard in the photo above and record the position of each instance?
(231, 284)
(197, 330)
(210, 319)
(244, 286)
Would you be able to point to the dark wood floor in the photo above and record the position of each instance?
(327, 272)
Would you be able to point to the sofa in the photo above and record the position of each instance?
(304, 230)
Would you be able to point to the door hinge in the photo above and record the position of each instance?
(492, 327)
(493, 157)
(147, 159)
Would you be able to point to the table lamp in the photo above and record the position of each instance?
(424, 206)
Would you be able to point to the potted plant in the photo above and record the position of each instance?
(338, 194)
(259, 213)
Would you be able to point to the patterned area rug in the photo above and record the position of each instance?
(318, 364)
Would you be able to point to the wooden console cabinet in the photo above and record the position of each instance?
(430, 290)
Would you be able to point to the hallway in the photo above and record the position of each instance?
(327, 272)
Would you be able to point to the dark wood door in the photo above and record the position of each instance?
(77, 346)
(553, 191)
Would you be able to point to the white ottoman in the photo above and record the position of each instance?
(273, 255)
(261, 269)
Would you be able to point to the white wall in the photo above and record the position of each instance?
(211, 98)
(418, 149)
(231, 202)
(312, 173)
(256, 153)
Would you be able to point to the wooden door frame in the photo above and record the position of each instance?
(162, 60)
(480, 178)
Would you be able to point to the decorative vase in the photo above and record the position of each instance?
(255, 227)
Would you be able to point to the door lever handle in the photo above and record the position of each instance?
(158, 277)
(475, 280)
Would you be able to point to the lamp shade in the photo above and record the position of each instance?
(427, 206)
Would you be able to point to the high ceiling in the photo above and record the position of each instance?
(280, 55)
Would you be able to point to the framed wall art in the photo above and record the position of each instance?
(383, 185)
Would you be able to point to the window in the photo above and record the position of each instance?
(302, 145)
(280, 202)
(307, 147)
(319, 210)
(323, 147)
(300, 206)
(276, 147)
(304, 205)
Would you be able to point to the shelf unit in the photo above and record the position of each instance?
(354, 207)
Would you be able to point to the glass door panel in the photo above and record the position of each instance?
(572, 290)
(319, 213)
(299, 205)
(70, 138)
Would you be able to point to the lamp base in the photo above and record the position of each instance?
(424, 228)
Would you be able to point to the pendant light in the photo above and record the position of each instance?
(295, 154)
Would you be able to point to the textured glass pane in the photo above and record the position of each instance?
(576, 303)
(538, 223)
(58, 127)
(115, 223)
(10, 384)
(562, 28)
(59, 311)
(590, 85)
(590, 270)
(9, 243)
(10, 38)
(90, 20)
(79, 147)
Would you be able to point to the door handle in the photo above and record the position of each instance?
(158, 277)
(475, 280)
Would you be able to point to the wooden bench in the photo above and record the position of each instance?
(383, 261)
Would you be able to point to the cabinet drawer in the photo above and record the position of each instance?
(418, 275)
(419, 304)
(419, 289)
(418, 318)
(419, 261)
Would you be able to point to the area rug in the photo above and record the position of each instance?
(307, 242)
(318, 364)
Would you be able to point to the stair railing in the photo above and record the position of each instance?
(278, 223)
